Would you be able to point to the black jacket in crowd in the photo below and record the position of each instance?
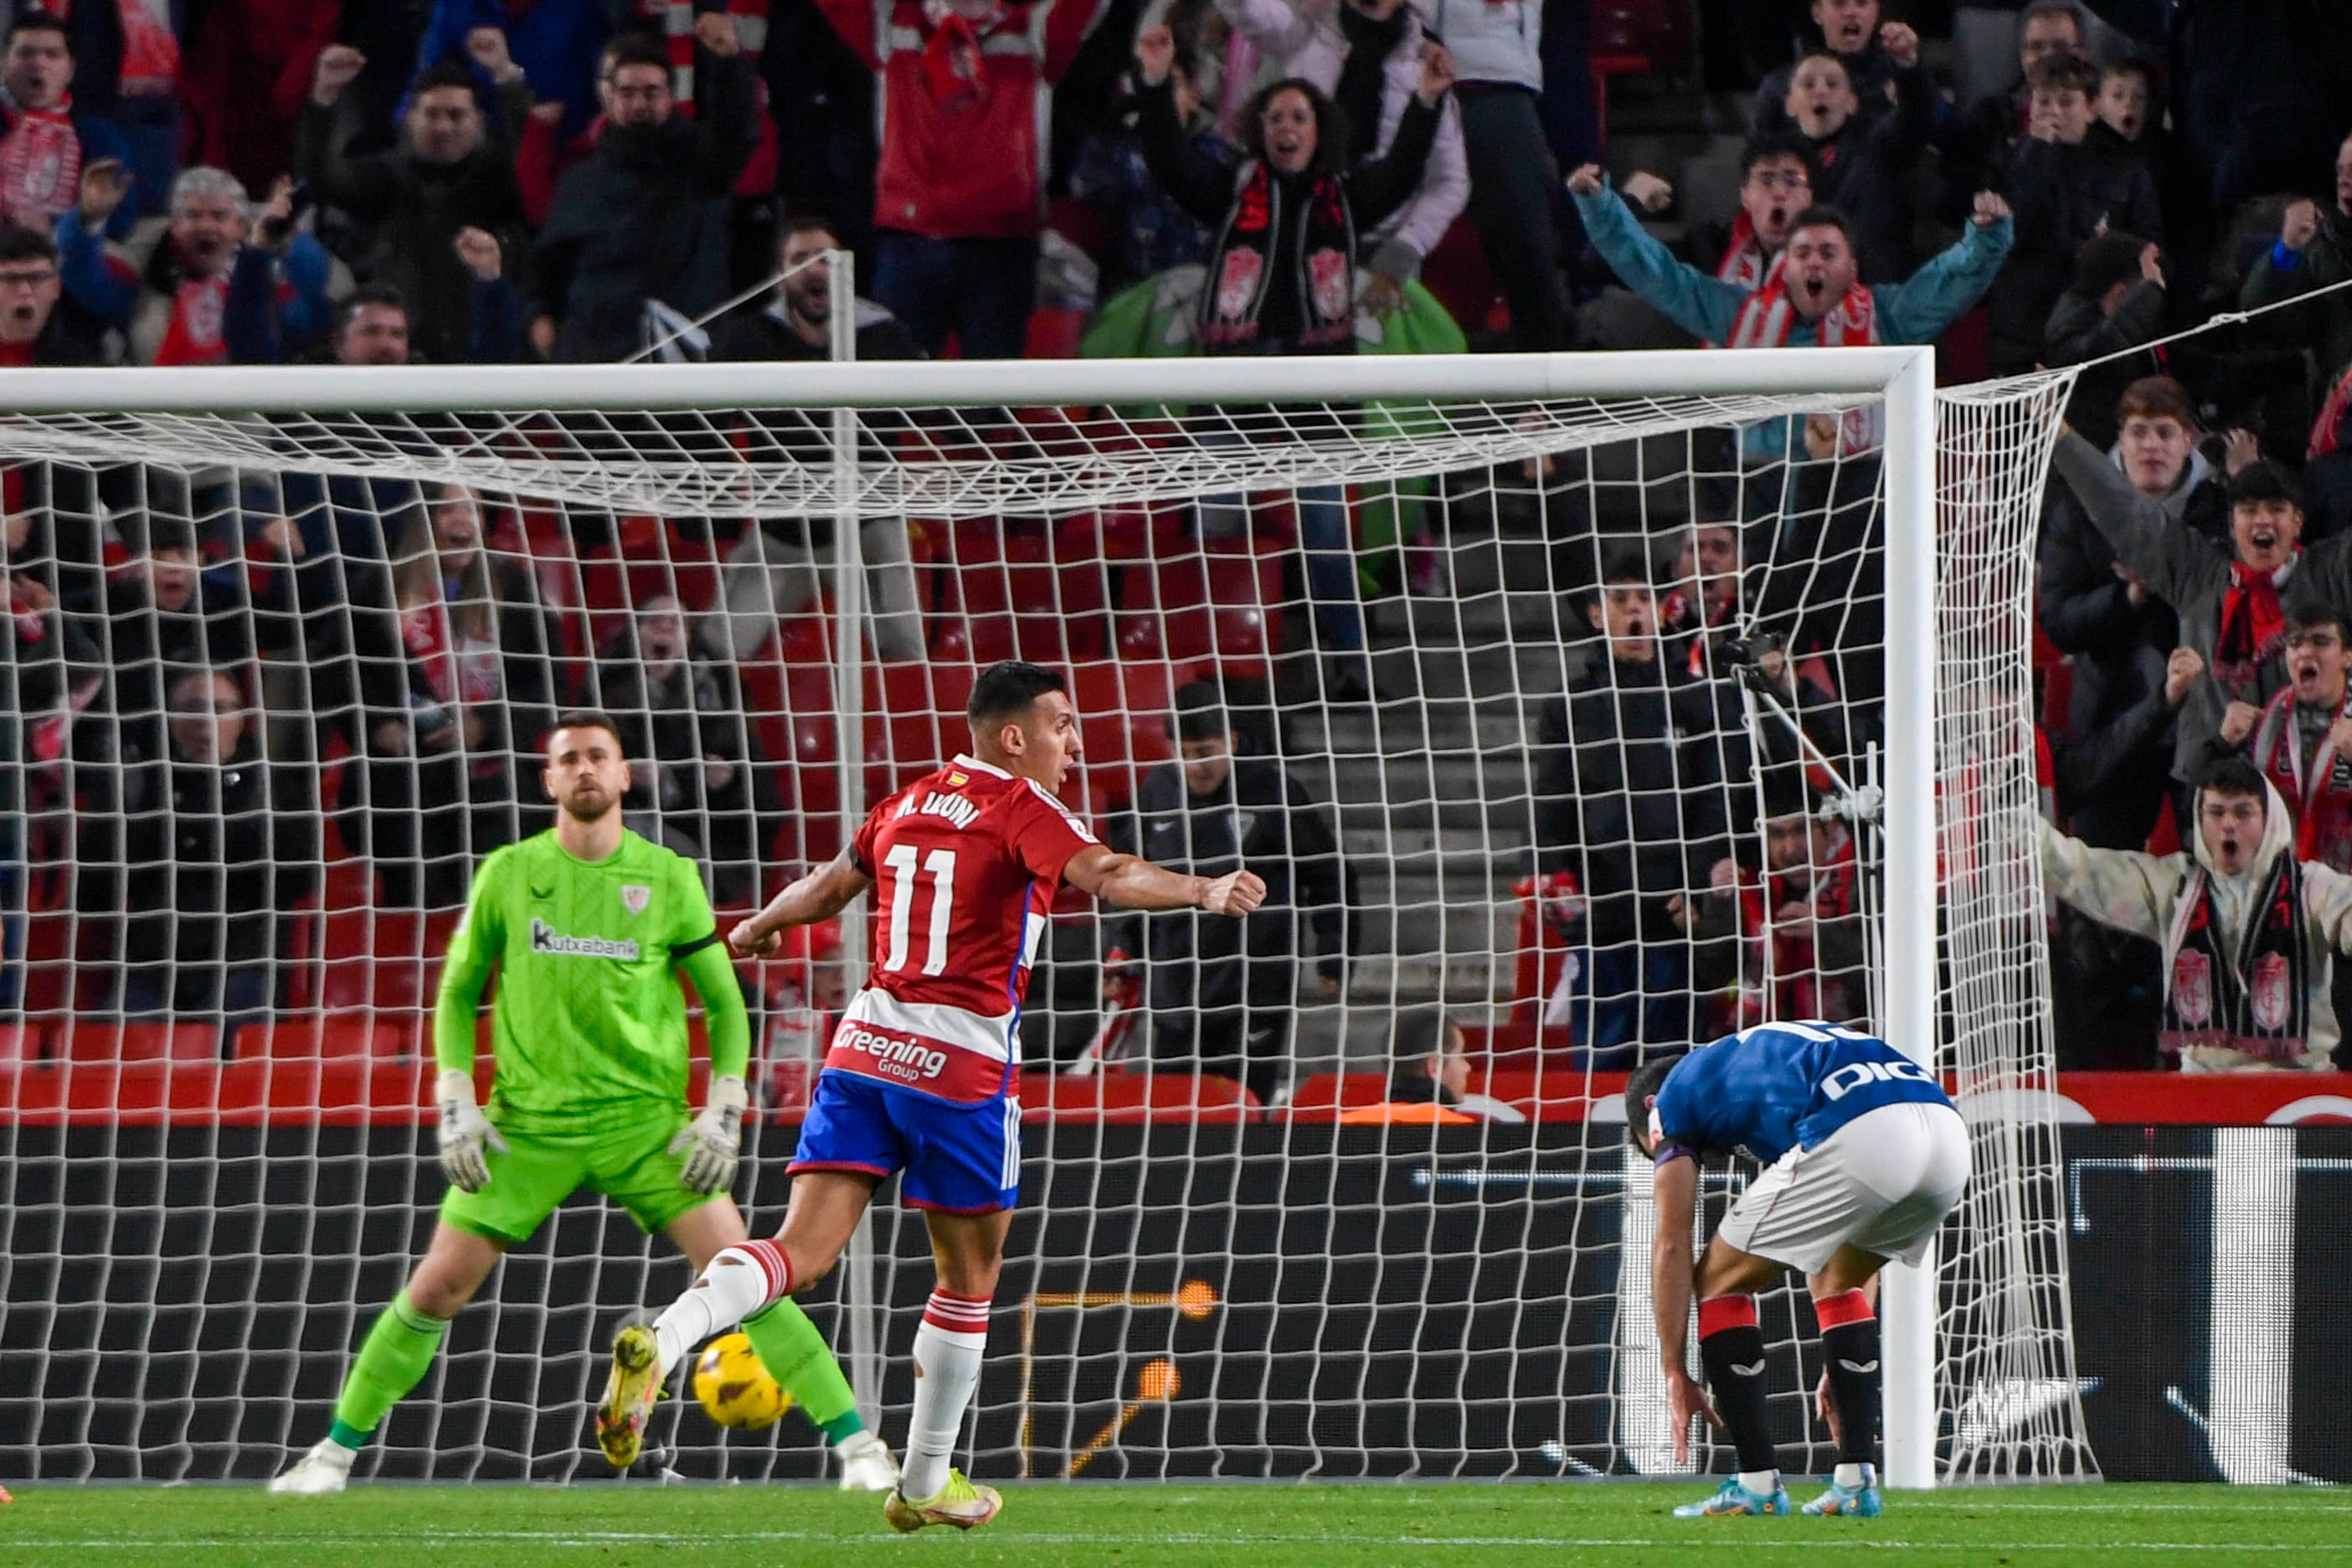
(645, 217)
(410, 211)
(1865, 172)
(215, 854)
(1630, 766)
(669, 726)
(2062, 195)
(1262, 819)
(2080, 329)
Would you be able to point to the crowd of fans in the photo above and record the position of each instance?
(257, 181)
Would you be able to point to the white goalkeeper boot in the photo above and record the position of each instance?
(866, 1463)
(324, 1470)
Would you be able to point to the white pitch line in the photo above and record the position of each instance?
(586, 1540)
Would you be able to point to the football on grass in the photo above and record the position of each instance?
(734, 1388)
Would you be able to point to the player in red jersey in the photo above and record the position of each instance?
(963, 865)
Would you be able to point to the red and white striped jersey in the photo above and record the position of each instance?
(965, 863)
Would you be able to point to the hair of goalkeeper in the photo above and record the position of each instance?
(1646, 1081)
(1006, 690)
(588, 718)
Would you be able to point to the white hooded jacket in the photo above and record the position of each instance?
(2141, 893)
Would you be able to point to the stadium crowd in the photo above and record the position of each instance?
(214, 674)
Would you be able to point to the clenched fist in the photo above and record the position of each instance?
(1235, 894)
(339, 66)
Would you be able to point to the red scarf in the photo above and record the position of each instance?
(2319, 787)
(1769, 317)
(2331, 417)
(150, 51)
(1745, 261)
(951, 62)
(2253, 630)
(40, 166)
(425, 631)
(194, 336)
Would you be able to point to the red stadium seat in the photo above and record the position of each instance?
(95, 1040)
(1322, 1097)
(21, 1042)
(326, 1036)
(807, 639)
(1134, 1097)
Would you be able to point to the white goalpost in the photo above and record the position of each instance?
(1218, 1274)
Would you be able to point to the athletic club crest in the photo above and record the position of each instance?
(634, 897)
(2192, 988)
(2270, 992)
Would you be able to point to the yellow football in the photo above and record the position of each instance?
(734, 1388)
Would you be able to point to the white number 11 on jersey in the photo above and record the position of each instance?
(940, 863)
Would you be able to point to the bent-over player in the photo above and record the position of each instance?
(587, 925)
(1864, 1156)
(963, 865)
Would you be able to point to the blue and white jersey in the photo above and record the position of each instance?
(1781, 1086)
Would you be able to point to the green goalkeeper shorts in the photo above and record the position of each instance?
(631, 1165)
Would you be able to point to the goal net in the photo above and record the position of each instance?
(1575, 708)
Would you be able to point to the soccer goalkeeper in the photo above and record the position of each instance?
(587, 925)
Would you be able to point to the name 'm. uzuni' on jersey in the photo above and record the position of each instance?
(965, 863)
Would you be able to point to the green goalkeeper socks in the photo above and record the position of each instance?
(392, 1359)
(797, 1357)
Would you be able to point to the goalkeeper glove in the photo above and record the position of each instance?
(712, 1143)
(465, 1132)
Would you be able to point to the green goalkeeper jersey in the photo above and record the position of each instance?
(588, 1017)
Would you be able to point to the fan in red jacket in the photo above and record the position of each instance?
(959, 198)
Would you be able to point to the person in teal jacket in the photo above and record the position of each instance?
(1817, 296)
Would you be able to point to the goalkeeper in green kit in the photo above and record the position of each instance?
(587, 925)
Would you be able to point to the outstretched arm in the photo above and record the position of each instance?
(2122, 888)
(2178, 565)
(1130, 881)
(1675, 1184)
(820, 896)
(1702, 306)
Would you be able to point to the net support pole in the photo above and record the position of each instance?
(860, 1311)
(1907, 1299)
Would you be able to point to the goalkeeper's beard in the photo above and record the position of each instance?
(585, 814)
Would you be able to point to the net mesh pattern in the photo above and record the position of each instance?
(1556, 721)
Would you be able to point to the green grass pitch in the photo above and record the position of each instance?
(1462, 1525)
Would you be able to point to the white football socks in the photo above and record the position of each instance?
(739, 1282)
(1762, 1482)
(1853, 1477)
(948, 1348)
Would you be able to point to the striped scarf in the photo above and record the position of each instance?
(2319, 787)
(40, 167)
(1745, 261)
(677, 19)
(1769, 317)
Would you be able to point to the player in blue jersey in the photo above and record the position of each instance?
(1864, 1155)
